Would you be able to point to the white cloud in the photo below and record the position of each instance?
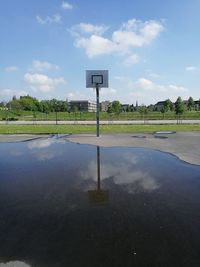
(66, 6)
(105, 94)
(49, 20)
(40, 20)
(108, 92)
(137, 95)
(148, 85)
(191, 68)
(149, 92)
(154, 75)
(87, 28)
(76, 95)
(131, 60)
(121, 78)
(130, 35)
(38, 65)
(96, 45)
(42, 82)
(7, 93)
(11, 68)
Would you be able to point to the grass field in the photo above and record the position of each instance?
(78, 129)
(29, 116)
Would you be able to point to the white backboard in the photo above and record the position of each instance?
(94, 77)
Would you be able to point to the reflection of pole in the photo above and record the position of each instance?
(97, 113)
(98, 169)
(98, 196)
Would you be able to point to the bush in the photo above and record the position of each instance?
(9, 119)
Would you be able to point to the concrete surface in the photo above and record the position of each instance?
(185, 146)
(20, 137)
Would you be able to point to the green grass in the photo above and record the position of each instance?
(30, 116)
(78, 129)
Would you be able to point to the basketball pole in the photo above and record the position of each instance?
(97, 109)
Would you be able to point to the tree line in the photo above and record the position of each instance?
(28, 103)
(179, 107)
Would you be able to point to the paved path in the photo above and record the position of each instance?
(185, 145)
(101, 122)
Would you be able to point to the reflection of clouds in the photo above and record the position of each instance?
(14, 264)
(123, 174)
(41, 148)
(140, 180)
(41, 143)
(47, 155)
(16, 153)
(130, 157)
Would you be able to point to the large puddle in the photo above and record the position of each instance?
(69, 205)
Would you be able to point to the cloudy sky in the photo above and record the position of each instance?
(150, 47)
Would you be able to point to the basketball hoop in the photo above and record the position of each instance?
(96, 79)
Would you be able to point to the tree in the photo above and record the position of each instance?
(29, 103)
(143, 110)
(179, 108)
(74, 109)
(132, 108)
(190, 104)
(163, 111)
(2, 104)
(110, 108)
(16, 106)
(44, 106)
(129, 108)
(116, 107)
(168, 105)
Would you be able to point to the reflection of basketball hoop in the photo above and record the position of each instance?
(97, 79)
(98, 197)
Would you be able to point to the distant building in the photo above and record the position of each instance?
(105, 105)
(82, 106)
(125, 107)
(159, 106)
(197, 104)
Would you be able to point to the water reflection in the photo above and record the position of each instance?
(148, 217)
(41, 148)
(14, 264)
(126, 172)
(98, 196)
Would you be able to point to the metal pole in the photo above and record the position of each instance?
(97, 111)
(98, 169)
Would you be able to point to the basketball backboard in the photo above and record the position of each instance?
(96, 77)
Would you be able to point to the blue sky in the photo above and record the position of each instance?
(150, 47)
